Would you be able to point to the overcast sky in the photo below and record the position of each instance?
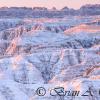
(48, 3)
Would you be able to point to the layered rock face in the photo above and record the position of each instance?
(49, 53)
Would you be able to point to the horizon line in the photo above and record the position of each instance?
(47, 7)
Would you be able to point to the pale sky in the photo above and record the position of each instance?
(47, 3)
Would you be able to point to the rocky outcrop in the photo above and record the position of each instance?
(50, 53)
(90, 9)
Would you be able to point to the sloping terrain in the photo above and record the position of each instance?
(50, 53)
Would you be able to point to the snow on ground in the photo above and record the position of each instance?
(50, 53)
